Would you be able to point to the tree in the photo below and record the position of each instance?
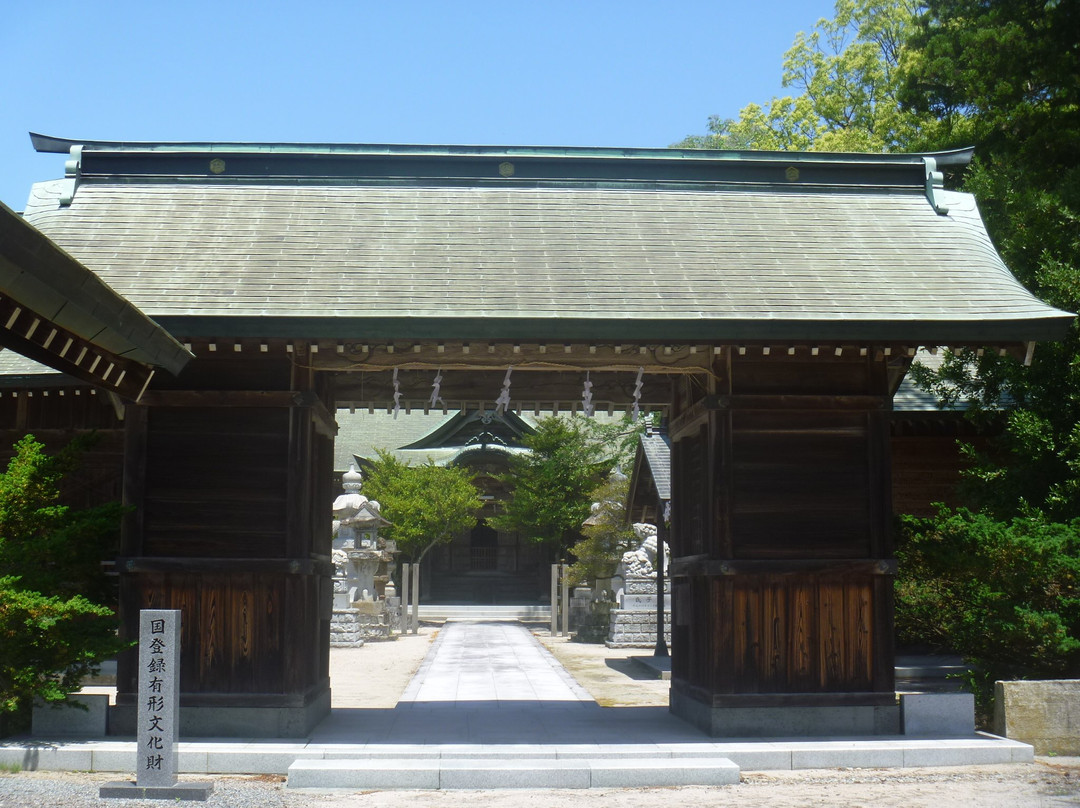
(606, 535)
(1002, 584)
(1008, 69)
(551, 485)
(427, 505)
(51, 633)
(846, 74)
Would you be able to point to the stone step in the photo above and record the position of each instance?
(440, 613)
(480, 773)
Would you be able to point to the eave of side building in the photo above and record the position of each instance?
(57, 312)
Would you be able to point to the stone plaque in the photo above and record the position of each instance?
(644, 603)
(159, 698)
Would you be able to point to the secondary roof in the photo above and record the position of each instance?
(53, 309)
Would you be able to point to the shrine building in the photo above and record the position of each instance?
(223, 301)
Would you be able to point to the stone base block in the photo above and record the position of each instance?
(942, 715)
(65, 720)
(349, 628)
(235, 722)
(1045, 714)
(786, 721)
(126, 790)
(634, 629)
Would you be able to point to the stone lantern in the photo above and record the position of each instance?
(362, 565)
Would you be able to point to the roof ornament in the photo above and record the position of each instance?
(72, 173)
(397, 395)
(351, 480)
(587, 406)
(637, 393)
(436, 386)
(935, 180)
(503, 401)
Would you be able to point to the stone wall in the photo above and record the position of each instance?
(1045, 714)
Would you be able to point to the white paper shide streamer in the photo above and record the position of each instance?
(503, 401)
(397, 395)
(436, 386)
(637, 393)
(587, 406)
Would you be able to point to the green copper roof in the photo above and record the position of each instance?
(536, 244)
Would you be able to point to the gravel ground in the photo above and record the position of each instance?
(385, 669)
(1047, 783)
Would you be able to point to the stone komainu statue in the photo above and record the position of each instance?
(642, 561)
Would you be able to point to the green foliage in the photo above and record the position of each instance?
(551, 486)
(427, 505)
(1004, 594)
(50, 641)
(1008, 71)
(605, 534)
(53, 548)
(49, 644)
(845, 70)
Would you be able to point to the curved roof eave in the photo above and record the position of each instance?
(59, 313)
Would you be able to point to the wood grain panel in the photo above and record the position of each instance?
(233, 629)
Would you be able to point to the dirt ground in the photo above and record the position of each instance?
(376, 675)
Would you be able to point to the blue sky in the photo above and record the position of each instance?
(507, 73)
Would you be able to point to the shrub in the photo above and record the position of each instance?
(51, 633)
(1006, 595)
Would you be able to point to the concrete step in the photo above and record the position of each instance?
(930, 673)
(481, 773)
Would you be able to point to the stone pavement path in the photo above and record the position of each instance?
(494, 683)
(498, 663)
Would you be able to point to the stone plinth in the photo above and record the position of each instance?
(1045, 714)
(364, 620)
(633, 624)
(942, 715)
(635, 629)
(65, 719)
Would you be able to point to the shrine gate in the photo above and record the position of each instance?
(768, 303)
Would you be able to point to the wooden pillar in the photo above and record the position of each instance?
(224, 486)
(782, 570)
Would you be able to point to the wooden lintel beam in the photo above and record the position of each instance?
(794, 402)
(524, 357)
(287, 566)
(221, 398)
(689, 420)
(415, 387)
(324, 421)
(825, 566)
